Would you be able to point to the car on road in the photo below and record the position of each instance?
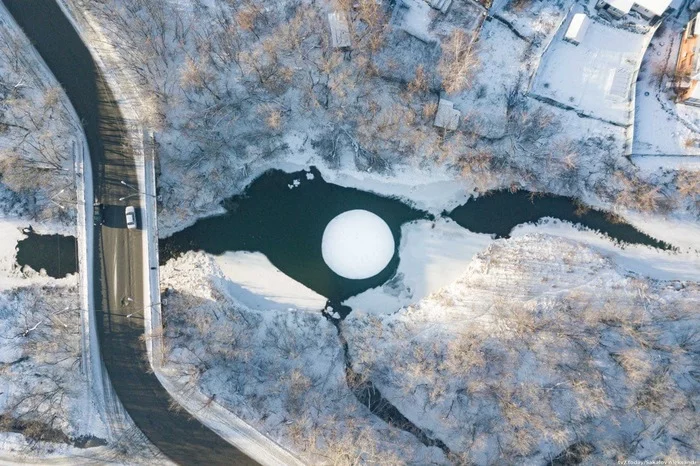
(130, 217)
(98, 213)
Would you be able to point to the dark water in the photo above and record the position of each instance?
(55, 253)
(287, 226)
(499, 212)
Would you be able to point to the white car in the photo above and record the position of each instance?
(130, 218)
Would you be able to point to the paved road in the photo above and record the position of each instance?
(119, 252)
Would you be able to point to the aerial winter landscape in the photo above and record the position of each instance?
(350, 232)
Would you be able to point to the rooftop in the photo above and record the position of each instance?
(657, 7)
(594, 77)
(447, 116)
(577, 27)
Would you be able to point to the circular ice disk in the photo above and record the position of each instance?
(357, 244)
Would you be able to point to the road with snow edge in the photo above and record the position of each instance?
(118, 280)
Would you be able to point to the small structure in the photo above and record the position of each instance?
(442, 5)
(620, 85)
(340, 30)
(447, 116)
(687, 77)
(577, 28)
(649, 9)
(415, 18)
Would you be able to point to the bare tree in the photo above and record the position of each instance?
(458, 62)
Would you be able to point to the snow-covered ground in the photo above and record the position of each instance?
(16, 449)
(540, 344)
(44, 391)
(642, 260)
(432, 255)
(259, 285)
(652, 163)
(449, 280)
(281, 370)
(386, 144)
(249, 339)
(431, 188)
(663, 127)
(37, 133)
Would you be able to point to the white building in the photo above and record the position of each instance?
(649, 9)
(577, 28)
(340, 30)
(447, 116)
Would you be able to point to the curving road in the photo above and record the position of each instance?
(119, 251)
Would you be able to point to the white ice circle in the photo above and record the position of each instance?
(357, 244)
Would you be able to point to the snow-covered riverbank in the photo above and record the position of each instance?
(540, 344)
(539, 266)
(281, 370)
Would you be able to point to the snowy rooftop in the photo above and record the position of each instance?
(657, 7)
(623, 5)
(447, 117)
(577, 28)
(414, 17)
(596, 76)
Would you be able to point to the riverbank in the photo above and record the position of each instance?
(435, 259)
(280, 217)
(575, 336)
(534, 265)
(280, 370)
